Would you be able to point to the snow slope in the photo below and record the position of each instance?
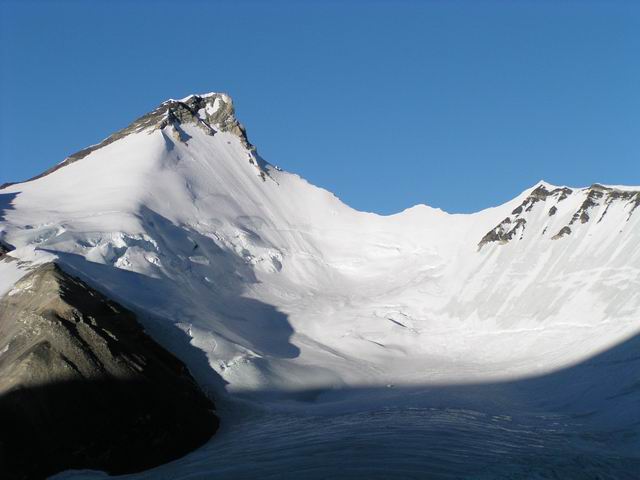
(285, 289)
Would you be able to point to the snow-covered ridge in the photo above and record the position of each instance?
(211, 112)
(270, 288)
(284, 287)
(593, 205)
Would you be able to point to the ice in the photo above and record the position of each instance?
(290, 294)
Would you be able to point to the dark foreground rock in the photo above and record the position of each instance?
(82, 385)
(4, 248)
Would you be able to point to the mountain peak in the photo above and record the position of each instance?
(547, 185)
(211, 112)
(211, 95)
(214, 109)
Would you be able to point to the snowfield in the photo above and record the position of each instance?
(282, 299)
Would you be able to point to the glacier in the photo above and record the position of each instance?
(346, 344)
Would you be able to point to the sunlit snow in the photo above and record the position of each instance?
(305, 317)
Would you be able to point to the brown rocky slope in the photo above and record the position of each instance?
(82, 386)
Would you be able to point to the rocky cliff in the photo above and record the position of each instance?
(83, 386)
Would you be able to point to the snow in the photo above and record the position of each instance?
(223, 96)
(287, 290)
(10, 273)
(17, 264)
(211, 109)
(196, 218)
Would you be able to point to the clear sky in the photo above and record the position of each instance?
(459, 105)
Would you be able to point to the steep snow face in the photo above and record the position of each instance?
(285, 288)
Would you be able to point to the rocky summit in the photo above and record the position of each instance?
(210, 112)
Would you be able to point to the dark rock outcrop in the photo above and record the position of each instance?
(594, 194)
(505, 231)
(82, 385)
(513, 226)
(598, 195)
(563, 232)
(4, 248)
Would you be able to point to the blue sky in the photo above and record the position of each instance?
(459, 105)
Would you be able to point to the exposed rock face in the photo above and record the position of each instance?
(595, 193)
(514, 225)
(211, 112)
(596, 196)
(82, 385)
(563, 231)
(4, 248)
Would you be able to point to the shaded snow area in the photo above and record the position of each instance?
(343, 344)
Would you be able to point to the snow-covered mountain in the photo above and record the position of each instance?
(287, 290)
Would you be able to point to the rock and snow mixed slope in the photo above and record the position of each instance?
(285, 289)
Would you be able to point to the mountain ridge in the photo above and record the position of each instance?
(283, 289)
(214, 111)
(210, 111)
(192, 210)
